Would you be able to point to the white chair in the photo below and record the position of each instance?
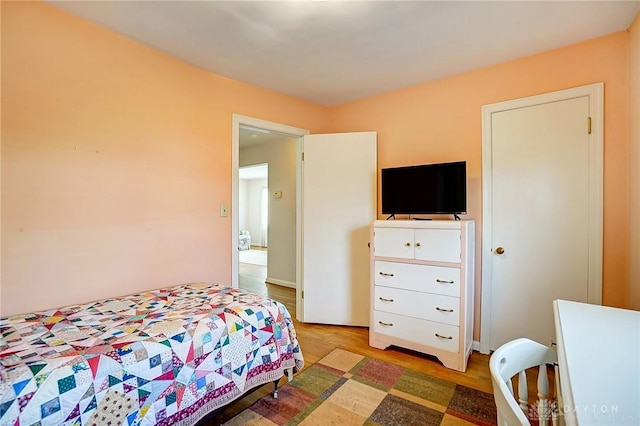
(244, 240)
(514, 358)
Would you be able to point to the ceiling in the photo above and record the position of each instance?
(252, 136)
(337, 51)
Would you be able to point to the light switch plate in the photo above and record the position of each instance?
(224, 211)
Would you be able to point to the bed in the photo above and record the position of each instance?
(165, 357)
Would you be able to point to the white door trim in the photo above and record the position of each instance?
(237, 121)
(595, 92)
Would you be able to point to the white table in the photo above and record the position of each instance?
(599, 362)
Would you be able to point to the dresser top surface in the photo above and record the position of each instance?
(431, 224)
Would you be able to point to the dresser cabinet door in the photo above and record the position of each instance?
(394, 242)
(439, 245)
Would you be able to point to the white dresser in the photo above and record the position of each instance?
(422, 287)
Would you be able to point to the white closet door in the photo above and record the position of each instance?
(540, 216)
(339, 177)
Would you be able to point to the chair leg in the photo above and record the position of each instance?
(523, 392)
(544, 412)
(559, 412)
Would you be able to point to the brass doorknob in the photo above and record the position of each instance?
(499, 250)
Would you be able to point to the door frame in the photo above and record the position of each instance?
(238, 120)
(595, 92)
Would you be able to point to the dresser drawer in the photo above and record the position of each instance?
(423, 332)
(431, 279)
(433, 307)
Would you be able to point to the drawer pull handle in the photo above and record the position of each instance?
(443, 310)
(444, 337)
(385, 300)
(407, 244)
(384, 274)
(388, 324)
(417, 244)
(444, 281)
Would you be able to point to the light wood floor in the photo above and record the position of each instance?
(318, 340)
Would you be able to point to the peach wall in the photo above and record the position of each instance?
(115, 159)
(0, 165)
(634, 252)
(441, 121)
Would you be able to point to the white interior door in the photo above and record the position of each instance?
(339, 177)
(541, 219)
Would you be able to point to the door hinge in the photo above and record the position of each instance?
(589, 125)
(303, 156)
(303, 294)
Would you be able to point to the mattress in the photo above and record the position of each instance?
(165, 357)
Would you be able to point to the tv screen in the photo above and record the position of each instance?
(426, 189)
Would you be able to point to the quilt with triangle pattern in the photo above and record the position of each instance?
(163, 357)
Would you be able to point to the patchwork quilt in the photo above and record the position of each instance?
(164, 357)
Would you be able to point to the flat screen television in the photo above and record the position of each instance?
(425, 189)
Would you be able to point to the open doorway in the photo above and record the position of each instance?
(253, 220)
(256, 141)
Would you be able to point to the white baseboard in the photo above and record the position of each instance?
(475, 345)
(280, 282)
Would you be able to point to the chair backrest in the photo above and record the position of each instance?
(512, 359)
